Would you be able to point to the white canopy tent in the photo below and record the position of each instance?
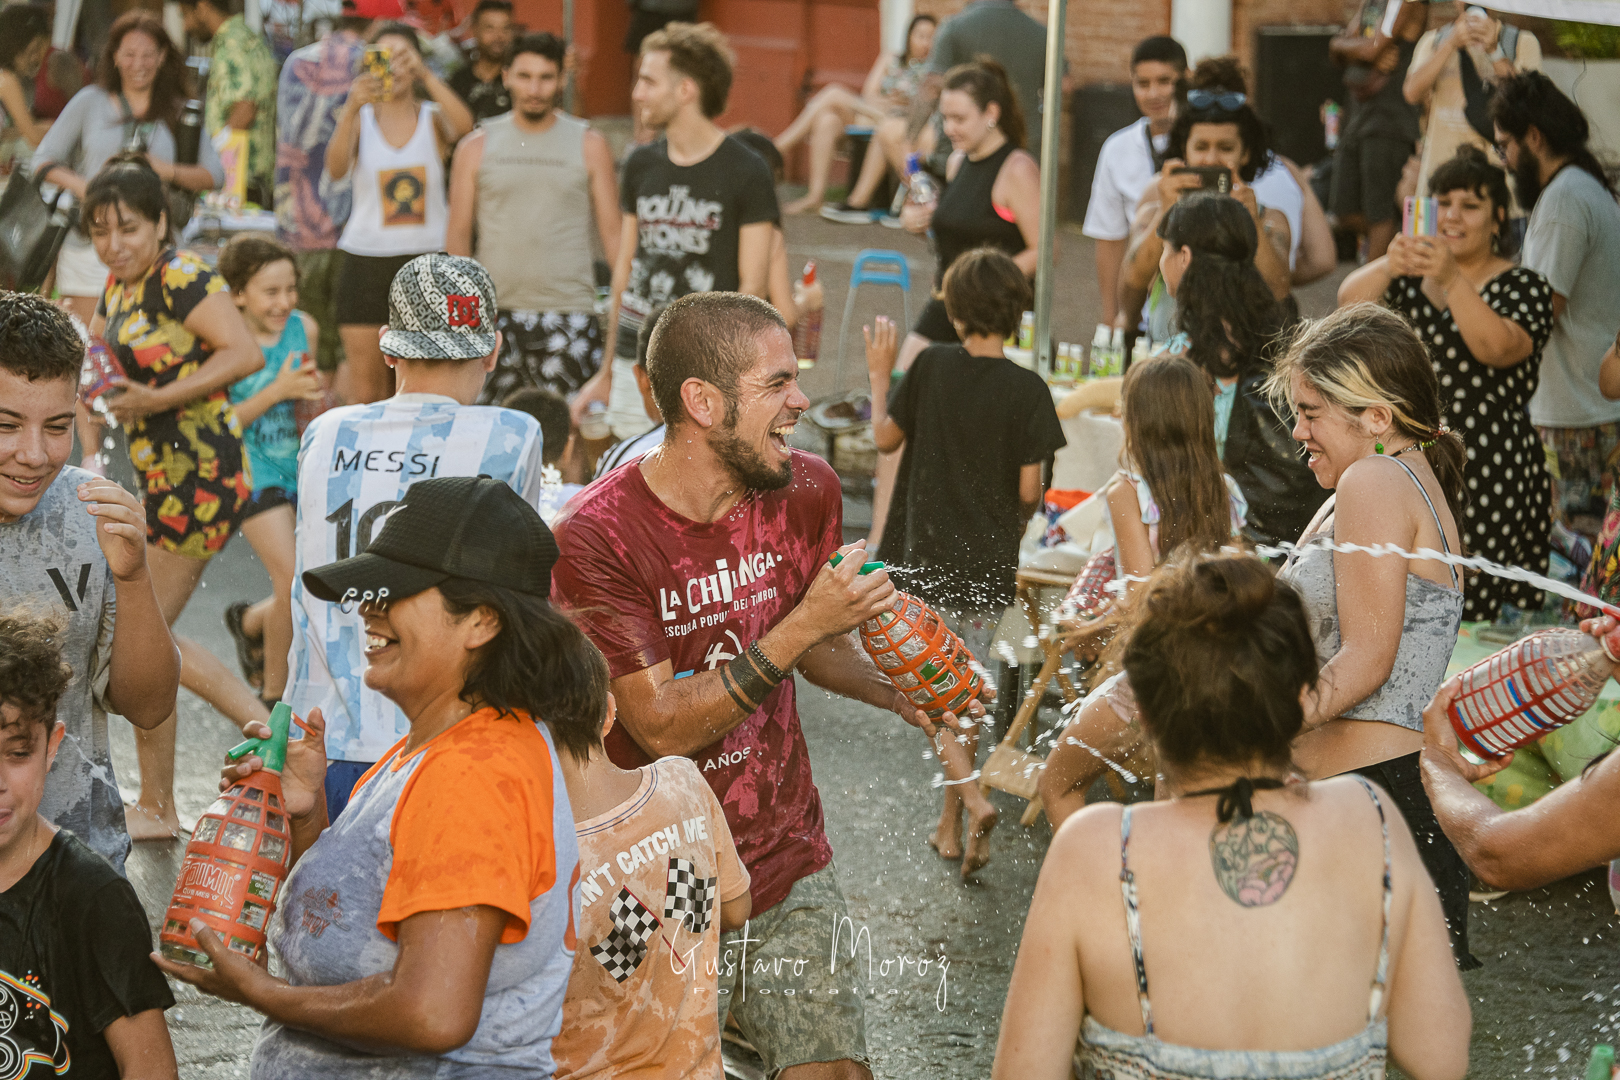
(1591, 11)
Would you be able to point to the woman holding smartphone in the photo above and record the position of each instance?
(1484, 321)
(396, 146)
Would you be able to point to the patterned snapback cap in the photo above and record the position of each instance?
(440, 307)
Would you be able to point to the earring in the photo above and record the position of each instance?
(1378, 448)
(992, 123)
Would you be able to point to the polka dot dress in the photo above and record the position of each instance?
(1507, 519)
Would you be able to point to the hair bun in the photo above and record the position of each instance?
(1473, 154)
(1219, 593)
(1219, 73)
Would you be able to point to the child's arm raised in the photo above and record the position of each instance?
(882, 345)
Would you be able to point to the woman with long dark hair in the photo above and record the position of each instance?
(1484, 321)
(1367, 407)
(453, 859)
(1216, 129)
(134, 106)
(890, 87)
(171, 323)
(1229, 322)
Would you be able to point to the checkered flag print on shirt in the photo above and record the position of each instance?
(689, 899)
(625, 947)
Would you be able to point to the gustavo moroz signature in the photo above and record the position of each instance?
(890, 971)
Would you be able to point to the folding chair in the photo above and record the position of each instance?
(873, 266)
(1010, 768)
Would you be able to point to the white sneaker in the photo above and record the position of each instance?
(845, 214)
(891, 221)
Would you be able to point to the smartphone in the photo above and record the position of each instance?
(1216, 178)
(1421, 216)
(378, 63)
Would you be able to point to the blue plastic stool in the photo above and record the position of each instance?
(874, 266)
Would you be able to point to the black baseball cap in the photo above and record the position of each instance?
(454, 526)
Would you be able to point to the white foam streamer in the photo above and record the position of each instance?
(1466, 562)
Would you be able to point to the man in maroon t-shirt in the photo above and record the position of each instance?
(701, 571)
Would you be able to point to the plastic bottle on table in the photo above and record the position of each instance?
(1097, 362)
(1539, 683)
(810, 299)
(237, 858)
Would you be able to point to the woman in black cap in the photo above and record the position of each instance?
(441, 895)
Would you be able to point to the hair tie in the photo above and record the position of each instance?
(1441, 432)
(1237, 798)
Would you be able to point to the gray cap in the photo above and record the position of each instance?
(440, 307)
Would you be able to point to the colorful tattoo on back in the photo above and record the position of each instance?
(1255, 858)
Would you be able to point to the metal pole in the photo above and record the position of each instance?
(568, 36)
(1051, 119)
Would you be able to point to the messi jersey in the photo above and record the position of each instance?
(354, 465)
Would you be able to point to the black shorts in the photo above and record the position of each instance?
(268, 499)
(1366, 172)
(934, 324)
(362, 288)
(1401, 778)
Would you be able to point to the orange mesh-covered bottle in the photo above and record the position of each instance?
(237, 858)
(920, 655)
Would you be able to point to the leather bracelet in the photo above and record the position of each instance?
(747, 682)
(764, 662)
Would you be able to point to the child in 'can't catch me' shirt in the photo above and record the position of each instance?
(659, 879)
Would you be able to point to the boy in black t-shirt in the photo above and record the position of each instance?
(79, 994)
(976, 429)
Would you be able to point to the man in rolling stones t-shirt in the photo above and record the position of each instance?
(701, 571)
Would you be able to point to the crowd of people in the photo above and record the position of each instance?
(552, 808)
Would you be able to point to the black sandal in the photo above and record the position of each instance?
(249, 653)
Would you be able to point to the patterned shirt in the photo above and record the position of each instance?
(244, 70)
(310, 206)
(354, 466)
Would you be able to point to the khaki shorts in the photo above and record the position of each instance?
(790, 1002)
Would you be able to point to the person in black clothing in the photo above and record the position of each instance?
(992, 198)
(699, 206)
(479, 83)
(78, 989)
(1382, 131)
(977, 429)
(1230, 323)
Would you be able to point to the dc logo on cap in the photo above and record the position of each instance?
(462, 310)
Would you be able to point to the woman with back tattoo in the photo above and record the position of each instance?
(1289, 925)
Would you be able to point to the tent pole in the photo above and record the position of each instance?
(1051, 151)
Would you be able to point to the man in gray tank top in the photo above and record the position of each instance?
(524, 189)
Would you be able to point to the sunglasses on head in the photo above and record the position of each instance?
(1225, 100)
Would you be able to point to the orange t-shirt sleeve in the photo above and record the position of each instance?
(734, 879)
(473, 827)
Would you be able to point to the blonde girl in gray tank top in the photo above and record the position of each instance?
(1367, 409)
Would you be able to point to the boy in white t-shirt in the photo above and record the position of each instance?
(354, 466)
(659, 879)
(1130, 157)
